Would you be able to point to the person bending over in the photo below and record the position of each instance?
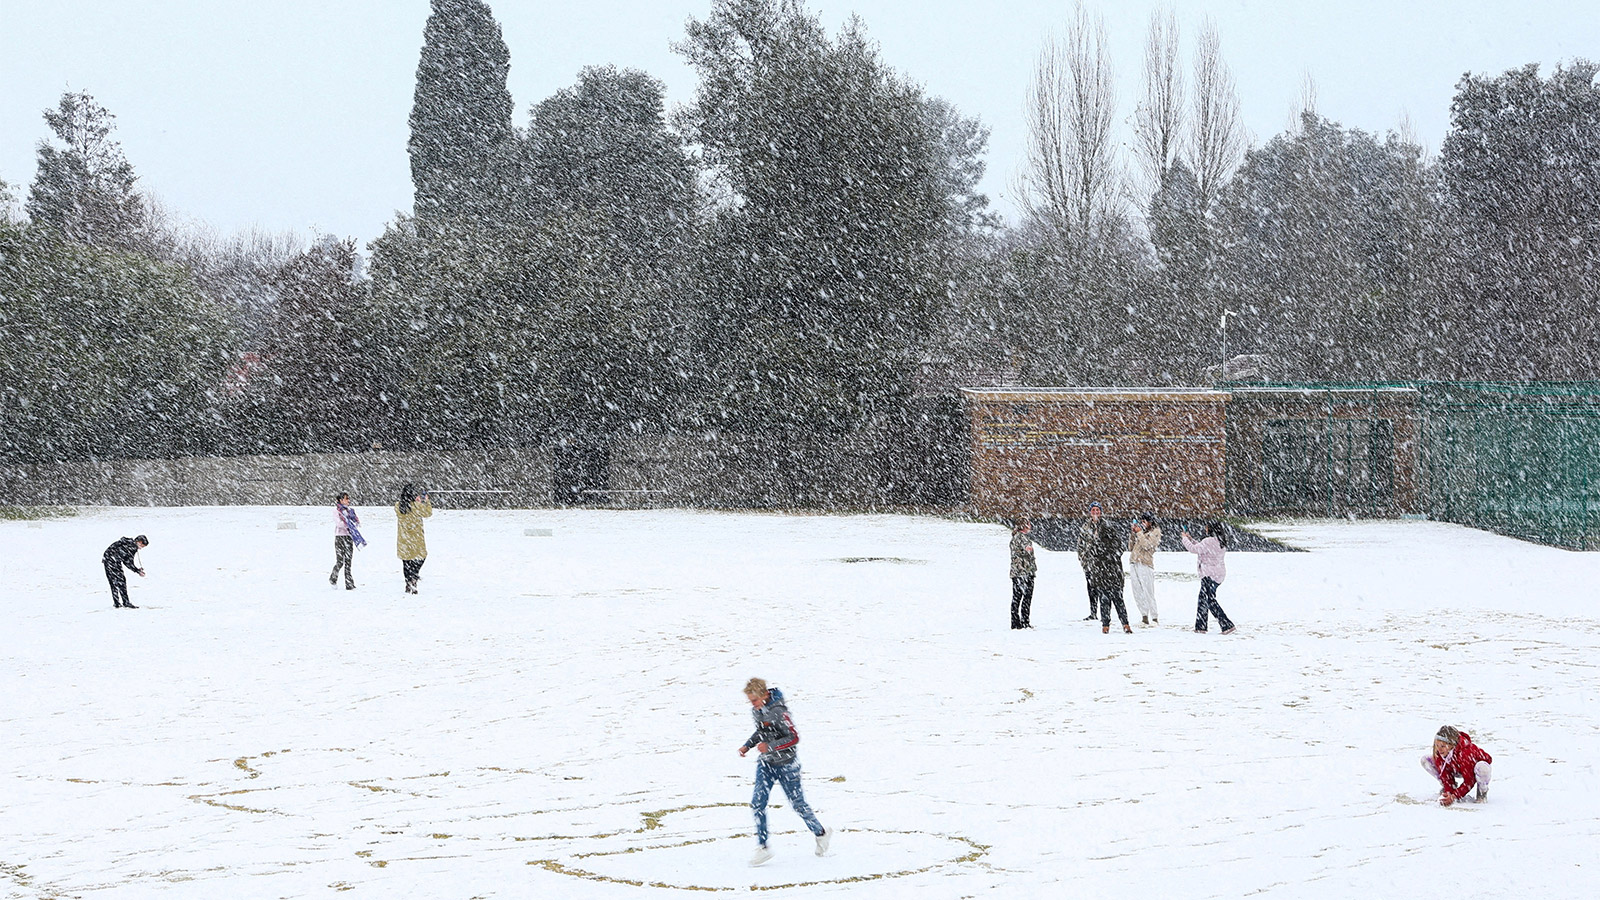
(119, 554)
(1461, 766)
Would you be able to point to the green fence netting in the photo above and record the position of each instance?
(1521, 459)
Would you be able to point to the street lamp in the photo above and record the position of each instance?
(1223, 372)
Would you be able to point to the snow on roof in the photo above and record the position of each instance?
(1308, 390)
(1047, 394)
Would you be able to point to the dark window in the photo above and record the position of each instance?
(1328, 466)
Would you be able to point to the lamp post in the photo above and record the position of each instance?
(1222, 374)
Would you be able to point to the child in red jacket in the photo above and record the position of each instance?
(1457, 759)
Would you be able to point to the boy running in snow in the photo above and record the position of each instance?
(1460, 765)
(775, 739)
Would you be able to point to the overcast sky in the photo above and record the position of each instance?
(291, 114)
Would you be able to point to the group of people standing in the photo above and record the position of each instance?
(1100, 552)
(411, 543)
(1460, 766)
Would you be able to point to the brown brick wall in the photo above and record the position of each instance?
(1049, 453)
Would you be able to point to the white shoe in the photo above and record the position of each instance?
(761, 856)
(1482, 795)
(823, 839)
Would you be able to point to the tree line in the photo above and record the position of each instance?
(802, 249)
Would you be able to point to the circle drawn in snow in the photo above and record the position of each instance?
(719, 863)
(705, 856)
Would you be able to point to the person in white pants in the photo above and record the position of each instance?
(1461, 766)
(1142, 546)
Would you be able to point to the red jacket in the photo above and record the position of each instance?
(1458, 765)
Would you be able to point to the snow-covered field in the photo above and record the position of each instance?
(558, 716)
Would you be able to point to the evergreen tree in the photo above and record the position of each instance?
(564, 312)
(1521, 179)
(843, 183)
(600, 158)
(1177, 307)
(1317, 241)
(103, 353)
(461, 113)
(489, 334)
(1178, 228)
(84, 188)
(320, 372)
(603, 147)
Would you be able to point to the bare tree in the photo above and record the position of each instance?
(1158, 122)
(1406, 132)
(1304, 105)
(1217, 141)
(10, 206)
(1071, 173)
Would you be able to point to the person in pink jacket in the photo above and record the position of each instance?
(346, 538)
(1211, 549)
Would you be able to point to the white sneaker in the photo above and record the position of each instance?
(761, 856)
(823, 839)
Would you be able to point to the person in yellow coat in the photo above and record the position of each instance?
(410, 542)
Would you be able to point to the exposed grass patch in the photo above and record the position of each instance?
(1259, 541)
(32, 513)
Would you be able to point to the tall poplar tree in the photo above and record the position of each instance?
(461, 114)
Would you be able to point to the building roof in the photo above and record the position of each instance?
(1104, 395)
(1391, 392)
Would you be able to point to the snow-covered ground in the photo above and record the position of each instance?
(558, 716)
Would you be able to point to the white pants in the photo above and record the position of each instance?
(1482, 771)
(1142, 579)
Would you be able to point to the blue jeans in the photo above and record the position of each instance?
(789, 777)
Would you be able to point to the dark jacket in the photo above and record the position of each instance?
(121, 553)
(776, 730)
(1100, 554)
(1023, 565)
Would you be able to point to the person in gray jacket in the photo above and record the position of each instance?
(775, 739)
(1023, 569)
(1100, 554)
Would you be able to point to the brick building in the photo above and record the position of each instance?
(1049, 452)
(1251, 450)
